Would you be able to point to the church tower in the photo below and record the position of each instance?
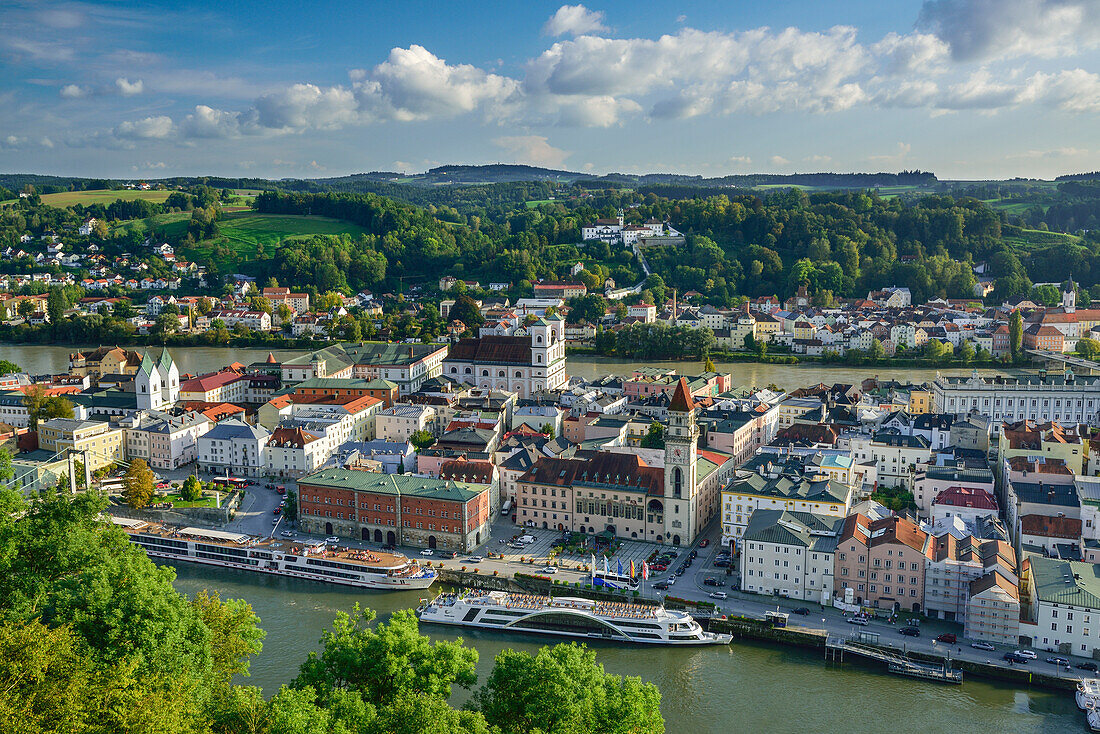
(1069, 297)
(169, 379)
(147, 384)
(681, 453)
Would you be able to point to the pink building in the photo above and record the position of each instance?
(882, 562)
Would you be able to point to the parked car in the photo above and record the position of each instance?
(801, 610)
(947, 637)
(909, 631)
(718, 595)
(1058, 661)
(1091, 667)
(474, 559)
(287, 534)
(983, 645)
(658, 567)
(1012, 657)
(662, 585)
(704, 542)
(549, 569)
(277, 511)
(1027, 654)
(427, 552)
(332, 539)
(862, 621)
(275, 520)
(711, 581)
(693, 555)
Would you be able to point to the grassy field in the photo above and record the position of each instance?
(102, 196)
(1035, 239)
(169, 226)
(536, 202)
(242, 232)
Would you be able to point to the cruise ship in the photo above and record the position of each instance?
(568, 617)
(311, 561)
(1088, 693)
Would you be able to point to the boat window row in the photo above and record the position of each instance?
(157, 540)
(222, 549)
(229, 559)
(159, 548)
(334, 564)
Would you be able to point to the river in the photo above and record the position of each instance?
(38, 359)
(744, 687)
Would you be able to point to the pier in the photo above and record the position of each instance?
(836, 647)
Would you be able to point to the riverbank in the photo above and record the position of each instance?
(802, 359)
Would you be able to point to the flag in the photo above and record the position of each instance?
(620, 571)
(605, 571)
(645, 570)
(631, 568)
(593, 565)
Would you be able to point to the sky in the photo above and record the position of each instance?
(968, 89)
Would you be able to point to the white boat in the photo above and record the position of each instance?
(1092, 715)
(568, 617)
(1088, 693)
(314, 562)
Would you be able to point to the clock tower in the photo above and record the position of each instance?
(681, 453)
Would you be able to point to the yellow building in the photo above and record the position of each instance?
(103, 443)
(1050, 440)
(104, 361)
(804, 330)
(920, 402)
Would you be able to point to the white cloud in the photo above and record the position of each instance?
(818, 159)
(532, 149)
(127, 88)
(894, 158)
(1074, 90)
(921, 53)
(306, 107)
(779, 161)
(740, 160)
(73, 91)
(989, 29)
(149, 128)
(574, 20)
(207, 122)
(979, 91)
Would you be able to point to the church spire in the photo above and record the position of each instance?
(681, 399)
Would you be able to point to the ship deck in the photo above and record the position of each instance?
(379, 560)
(536, 602)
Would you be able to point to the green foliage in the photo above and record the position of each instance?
(192, 489)
(656, 341)
(897, 499)
(1088, 348)
(563, 690)
(654, 437)
(140, 485)
(421, 439)
(42, 407)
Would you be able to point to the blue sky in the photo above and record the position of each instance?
(964, 88)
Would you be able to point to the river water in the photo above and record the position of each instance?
(746, 687)
(38, 359)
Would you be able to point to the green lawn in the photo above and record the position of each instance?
(171, 225)
(1030, 239)
(269, 229)
(178, 501)
(535, 203)
(102, 196)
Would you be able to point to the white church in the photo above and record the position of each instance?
(157, 382)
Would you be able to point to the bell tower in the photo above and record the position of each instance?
(681, 453)
(1069, 297)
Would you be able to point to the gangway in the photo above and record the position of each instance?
(835, 647)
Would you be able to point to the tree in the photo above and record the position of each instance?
(590, 308)
(709, 365)
(1088, 348)
(421, 439)
(164, 325)
(283, 313)
(55, 308)
(1015, 335)
(139, 488)
(7, 368)
(466, 310)
(654, 437)
(877, 350)
(205, 306)
(192, 489)
(390, 660)
(965, 352)
(563, 690)
(42, 407)
(547, 429)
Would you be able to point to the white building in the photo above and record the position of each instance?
(401, 421)
(1041, 397)
(164, 441)
(157, 384)
(1063, 613)
(524, 365)
(234, 447)
(790, 554)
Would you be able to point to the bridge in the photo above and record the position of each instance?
(1058, 361)
(835, 647)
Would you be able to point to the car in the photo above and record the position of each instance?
(287, 534)
(658, 567)
(801, 610)
(947, 637)
(427, 552)
(983, 646)
(1012, 657)
(704, 542)
(275, 520)
(332, 539)
(711, 581)
(452, 554)
(693, 555)
(474, 559)
(909, 631)
(269, 486)
(1091, 667)
(719, 595)
(1058, 661)
(862, 621)
(661, 585)
(722, 564)
(389, 547)
(277, 511)
(549, 569)
(1027, 654)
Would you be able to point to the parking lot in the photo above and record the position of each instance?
(630, 550)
